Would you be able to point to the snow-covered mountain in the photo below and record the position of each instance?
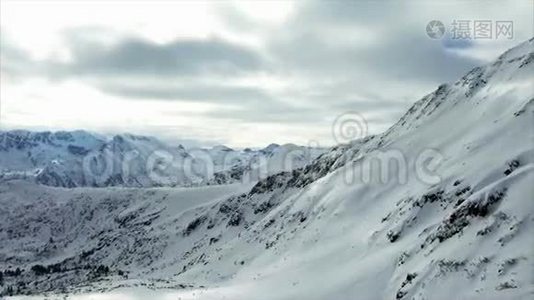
(24, 150)
(79, 158)
(249, 165)
(437, 207)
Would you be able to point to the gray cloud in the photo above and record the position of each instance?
(194, 92)
(269, 112)
(450, 43)
(343, 72)
(182, 57)
(398, 50)
(365, 56)
(15, 61)
(135, 57)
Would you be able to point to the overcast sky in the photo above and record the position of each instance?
(238, 73)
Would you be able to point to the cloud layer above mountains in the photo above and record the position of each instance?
(240, 73)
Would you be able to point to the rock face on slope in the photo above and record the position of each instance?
(436, 207)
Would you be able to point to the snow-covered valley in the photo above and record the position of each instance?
(440, 202)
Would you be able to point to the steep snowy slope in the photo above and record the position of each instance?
(437, 207)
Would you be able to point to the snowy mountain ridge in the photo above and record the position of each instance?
(79, 158)
(450, 214)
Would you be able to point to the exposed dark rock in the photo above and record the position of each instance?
(236, 219)
(512, 166)
(461, 217)
(194, 225)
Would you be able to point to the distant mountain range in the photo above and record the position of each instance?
(80, 158)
